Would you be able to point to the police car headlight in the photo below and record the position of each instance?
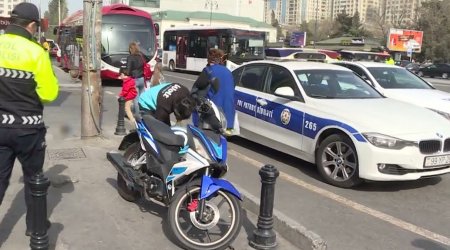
(385, 141)
(446, 115)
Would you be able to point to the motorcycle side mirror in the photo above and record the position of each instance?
(215, 84)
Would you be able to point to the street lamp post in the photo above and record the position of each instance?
(315, 23)
(59, 12)
(40, 18)
(212, 4)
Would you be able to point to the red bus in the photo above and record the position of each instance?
(121, 24)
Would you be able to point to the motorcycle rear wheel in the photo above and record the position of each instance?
(187, 228)
(127, 193)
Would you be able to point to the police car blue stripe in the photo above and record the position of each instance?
(299, 122)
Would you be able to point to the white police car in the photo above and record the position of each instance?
(398, 83)
(327, 115)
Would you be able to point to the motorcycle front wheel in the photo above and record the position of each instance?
(217, 229)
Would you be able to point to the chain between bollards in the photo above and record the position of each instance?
(38, 187)
(264, 237)
(120, 128)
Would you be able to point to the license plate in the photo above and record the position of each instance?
(434, 161)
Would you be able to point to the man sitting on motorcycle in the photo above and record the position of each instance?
(166, 98)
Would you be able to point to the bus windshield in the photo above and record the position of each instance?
(119, 30)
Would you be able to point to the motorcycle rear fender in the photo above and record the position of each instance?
(211, 185)
(128, 140)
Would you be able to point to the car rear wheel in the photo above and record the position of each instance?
(445, 75)
(337, 161)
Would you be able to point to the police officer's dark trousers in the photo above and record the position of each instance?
(28, 146)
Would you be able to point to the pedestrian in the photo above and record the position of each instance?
(27, 82)
(45, 44)
(223, 97)
(135, 69)
(157, 76)
(166, 98)
(129, 93)
(390, 61)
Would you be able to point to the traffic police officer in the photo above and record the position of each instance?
(27, 82)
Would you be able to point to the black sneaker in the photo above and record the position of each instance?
(29, 231)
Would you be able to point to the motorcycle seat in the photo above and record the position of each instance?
(161, 132)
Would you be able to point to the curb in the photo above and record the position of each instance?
(289, 229)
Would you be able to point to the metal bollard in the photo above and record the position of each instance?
(120, 128)
(38, 187)
(264, 237)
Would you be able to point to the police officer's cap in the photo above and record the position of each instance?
(27, 11)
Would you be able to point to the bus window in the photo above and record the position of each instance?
(213, 42)
(197, 47)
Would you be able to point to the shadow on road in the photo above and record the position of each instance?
(62, 97)
(427, 245)
(18, 208)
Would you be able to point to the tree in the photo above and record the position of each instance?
(347, 25)
(343, 24)
(434, 22)
(274, 22)
(52, 13)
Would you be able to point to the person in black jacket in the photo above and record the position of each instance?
(135, 69)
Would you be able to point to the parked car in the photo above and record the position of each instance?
(433, 70)
(398, 83)
(54, 48)
(402, 63)
(413, 67)
(327, 115)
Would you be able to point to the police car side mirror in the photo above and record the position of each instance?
(286, 92)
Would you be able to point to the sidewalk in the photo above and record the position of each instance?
(83, 204)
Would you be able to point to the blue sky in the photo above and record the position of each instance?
(73, 5)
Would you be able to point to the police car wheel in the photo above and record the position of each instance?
(337, 161)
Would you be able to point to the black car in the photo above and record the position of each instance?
(439, 69)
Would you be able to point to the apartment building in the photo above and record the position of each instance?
(315, 9)
(275, 6)
(365, 8)
(6, 6)
(400, 12)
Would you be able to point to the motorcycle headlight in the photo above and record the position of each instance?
(385, 141)
(446, 115)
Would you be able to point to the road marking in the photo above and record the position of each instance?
(109, 92)
(187, 79)
(349, 203)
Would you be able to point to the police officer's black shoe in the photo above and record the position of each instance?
(29, 231)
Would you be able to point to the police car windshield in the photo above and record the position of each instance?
(397, 78)
(335, 84)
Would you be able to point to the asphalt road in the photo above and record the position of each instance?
(377, 215)
(442, 84)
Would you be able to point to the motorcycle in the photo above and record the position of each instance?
(183, 169)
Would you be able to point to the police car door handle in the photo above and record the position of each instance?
(261, 102)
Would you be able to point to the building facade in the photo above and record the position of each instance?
(6, 6)
(400, 12)
(244, 8)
